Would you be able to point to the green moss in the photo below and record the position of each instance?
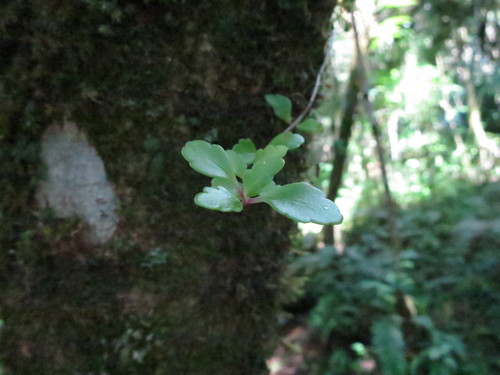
(142, 78)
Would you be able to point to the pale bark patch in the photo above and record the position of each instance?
(76, 182)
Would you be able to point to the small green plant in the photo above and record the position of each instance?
(244, 174)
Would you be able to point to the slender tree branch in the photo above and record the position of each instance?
(363, 76)
(317, 85)
(341, 144)
(483, 142)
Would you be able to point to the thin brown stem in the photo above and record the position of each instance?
(340, 145)
(370, 113)
(363, 76)
(315, 91)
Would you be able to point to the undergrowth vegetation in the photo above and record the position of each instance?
(409, 284)
(425, 303)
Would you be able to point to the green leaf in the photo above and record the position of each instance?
(237, 162)
(218, 198)
(268, 188)
(246, 148)
(310, 126)
(210, 160)
(260, 175)
(281, 105)
(230, 185)
(288, 140)
(270, 152)
(388, 344)
(302, 202)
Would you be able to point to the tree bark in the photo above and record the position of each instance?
(177, 289)
(370, 113)
(341, 144)
(363, 69)
(488, 149)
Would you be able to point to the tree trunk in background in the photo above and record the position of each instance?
(364, 75)
(341, 143)
(365, 87)
(489, 152)
(176, 289)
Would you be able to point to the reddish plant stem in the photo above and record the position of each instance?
(247, 200)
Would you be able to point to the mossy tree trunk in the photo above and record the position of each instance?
(177, 289)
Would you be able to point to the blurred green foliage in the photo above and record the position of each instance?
(427, 305)
(412, 289)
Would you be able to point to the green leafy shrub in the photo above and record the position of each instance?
(426, 305)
